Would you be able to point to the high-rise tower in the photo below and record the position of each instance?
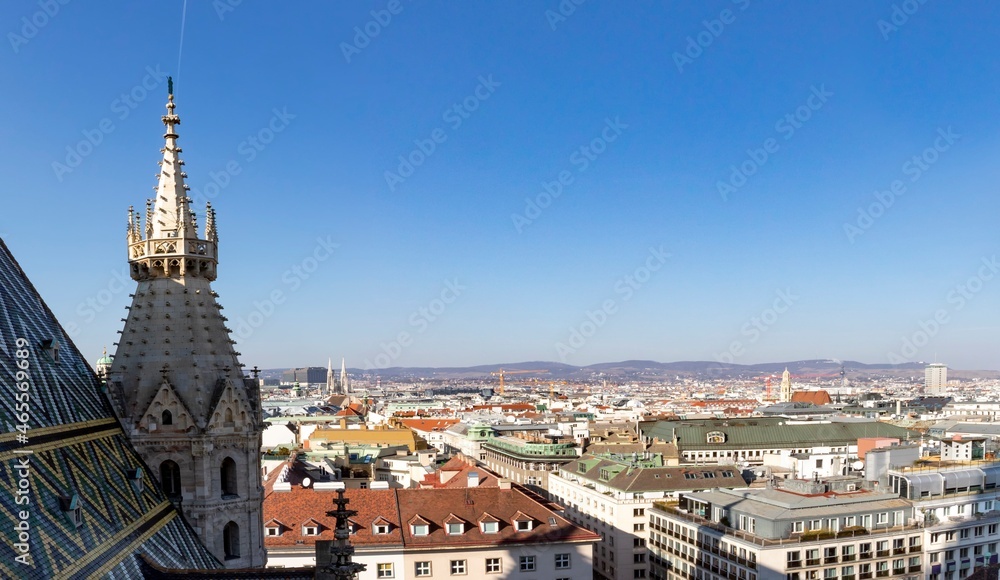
(176, 382)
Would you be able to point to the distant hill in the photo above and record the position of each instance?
(818, 370)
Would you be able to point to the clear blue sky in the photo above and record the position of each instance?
(662, 118)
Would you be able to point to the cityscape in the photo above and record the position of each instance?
(741, 327)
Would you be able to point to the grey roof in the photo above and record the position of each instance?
(750, 433)
(652, 479)
(777, 504)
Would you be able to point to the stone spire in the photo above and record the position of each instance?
(344, 386)
(331, 385)
(176, 382)
(169, 244)
(786, 386)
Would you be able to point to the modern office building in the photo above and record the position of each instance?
(610, 494)
(935, 378)
(803, 530)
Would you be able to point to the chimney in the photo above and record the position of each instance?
(503, 483)
(474, 479)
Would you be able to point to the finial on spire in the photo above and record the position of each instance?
(170, 87)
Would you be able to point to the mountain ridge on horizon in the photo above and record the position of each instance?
(812, 368)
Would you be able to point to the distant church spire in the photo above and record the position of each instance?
(331, 383)
(344, 385)
(786, 386)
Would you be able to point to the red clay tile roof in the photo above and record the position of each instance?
(436, 506)
(471, 504)
(815, 397)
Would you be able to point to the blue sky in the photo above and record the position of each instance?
(653, 248)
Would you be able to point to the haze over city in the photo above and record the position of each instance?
(448, 185)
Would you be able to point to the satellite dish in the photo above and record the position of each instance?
(306, 482)
(858, 465)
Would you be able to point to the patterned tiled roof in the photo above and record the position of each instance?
(75, 448)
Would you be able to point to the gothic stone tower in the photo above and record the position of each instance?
(176, 383)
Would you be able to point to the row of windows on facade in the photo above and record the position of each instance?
(981, 550)
(170, 478)
(881, 569)
(461, 567)
(863, 550)
(313, 528)
(753, 452)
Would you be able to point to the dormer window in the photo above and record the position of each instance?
(456, 529)
(490, 527)
(523, 522)
(419, 529)
(380, 529)
(272, 531)
(311, 528)
(73, 509)
(135, 478)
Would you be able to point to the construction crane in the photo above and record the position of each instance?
(502, 373)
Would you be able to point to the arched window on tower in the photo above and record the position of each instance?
(170, 479)
(229, 482)
(167, 417)
(231, 541)
(229, 415)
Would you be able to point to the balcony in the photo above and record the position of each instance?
(812, 562)
(898, 551)
(864, 575)
(882, 574)
(848, 558)
(830, 560)
(915, 549)
(914, 568)
(865, 556)
(882, 554)
(794, 564)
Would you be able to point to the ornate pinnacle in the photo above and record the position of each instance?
(342, 567)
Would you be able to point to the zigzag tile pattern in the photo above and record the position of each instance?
(75, 448)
